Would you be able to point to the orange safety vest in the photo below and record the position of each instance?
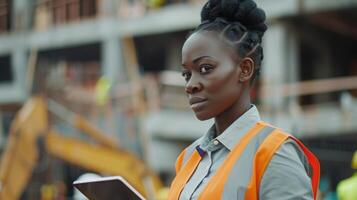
(259, 145)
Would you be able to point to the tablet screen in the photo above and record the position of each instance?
(108, 188)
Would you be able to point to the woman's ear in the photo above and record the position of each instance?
(247, 69)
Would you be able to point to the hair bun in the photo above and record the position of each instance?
(211, 10)
(229, 7)
(245, 12)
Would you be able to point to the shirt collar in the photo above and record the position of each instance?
(235, 131)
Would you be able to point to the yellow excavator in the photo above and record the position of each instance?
(31, 124)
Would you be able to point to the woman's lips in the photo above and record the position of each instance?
(196, 102)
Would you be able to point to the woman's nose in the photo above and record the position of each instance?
(193, 87)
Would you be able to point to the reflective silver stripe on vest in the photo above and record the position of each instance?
(240, 175)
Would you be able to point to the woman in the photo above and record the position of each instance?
(240, 157)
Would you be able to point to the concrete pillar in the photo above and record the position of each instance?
(112, 68)
(274, 65)
(22, 12)
(19, 67)
(111, 55)
(107, 8)
(292, 56)
(280, 66)
(293, 110)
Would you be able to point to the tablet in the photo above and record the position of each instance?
(108, 188)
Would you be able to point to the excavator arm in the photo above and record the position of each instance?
(103, 160)
(22, 153)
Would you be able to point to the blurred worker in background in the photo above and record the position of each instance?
(240, 157)
(347, 189)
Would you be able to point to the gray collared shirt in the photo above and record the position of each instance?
(285, 177)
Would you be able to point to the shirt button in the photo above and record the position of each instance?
(215, 142)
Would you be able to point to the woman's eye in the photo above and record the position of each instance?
(205, 69)
(186, 75)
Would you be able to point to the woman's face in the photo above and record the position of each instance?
(211, 71)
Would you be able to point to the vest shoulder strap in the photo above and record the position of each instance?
(262, 159)
(315, 165)
(183, 175)
(264, 155)
(179, 161)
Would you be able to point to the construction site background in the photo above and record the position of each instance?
(116, 65)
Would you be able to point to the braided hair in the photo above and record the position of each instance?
(240, 22)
